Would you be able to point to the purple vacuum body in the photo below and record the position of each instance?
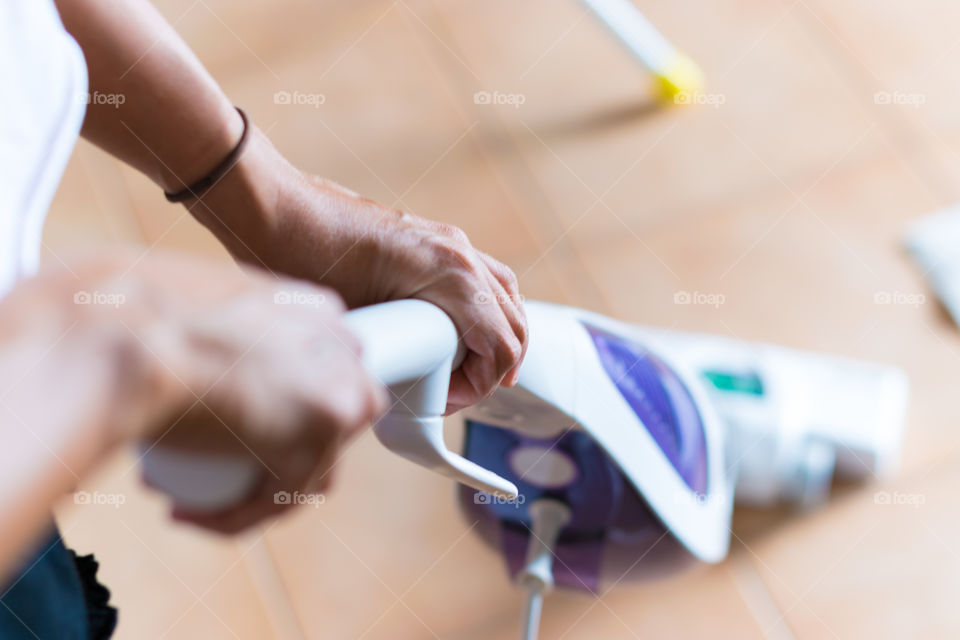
(612, 532)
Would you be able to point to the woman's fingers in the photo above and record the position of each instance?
(494, 331)
(507, 291)
(288, 391)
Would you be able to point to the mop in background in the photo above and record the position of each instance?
(676, 74)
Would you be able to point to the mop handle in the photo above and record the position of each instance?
(636, 32)
(409, 346)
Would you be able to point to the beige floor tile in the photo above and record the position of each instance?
(585, 134)
(164, 578)
(868, 568)
(900, 59)
(942, 162)
(655, 610)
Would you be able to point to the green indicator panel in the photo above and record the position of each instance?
(749, 383)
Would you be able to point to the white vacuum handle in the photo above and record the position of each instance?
(410, 346)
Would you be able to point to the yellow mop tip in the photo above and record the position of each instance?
(679, 81)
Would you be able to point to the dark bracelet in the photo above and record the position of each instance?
(200, 187)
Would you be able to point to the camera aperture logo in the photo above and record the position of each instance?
(699, 298)
(915, 100)
(515, 100)
(715, 100)
(297, 498)
(299, 298)
(897, 498)
(482, 497)
(99, 298)
(98, 498)
(299, 98)
(499, 298)
(96, 98)
(899, 298)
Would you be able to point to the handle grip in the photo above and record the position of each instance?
(409, 346)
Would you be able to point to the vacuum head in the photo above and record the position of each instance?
(643, 435)
(623, 436)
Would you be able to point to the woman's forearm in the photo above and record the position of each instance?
(176, 125)
(65, 385)
(152, 104)
(52, 397)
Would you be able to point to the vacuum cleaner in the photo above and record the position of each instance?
(621, 448)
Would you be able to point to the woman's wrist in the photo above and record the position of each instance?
(192, 154)
(241, 208)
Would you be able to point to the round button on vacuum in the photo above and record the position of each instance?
(542, 467)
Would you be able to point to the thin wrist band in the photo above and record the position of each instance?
(198, 188)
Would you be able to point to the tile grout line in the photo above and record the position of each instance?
(272, 591)
(758, 599)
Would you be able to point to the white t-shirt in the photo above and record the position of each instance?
(43, 91)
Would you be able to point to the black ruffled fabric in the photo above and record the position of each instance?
(101, 617)
(55, 596)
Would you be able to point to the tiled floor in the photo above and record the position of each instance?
(789, 198)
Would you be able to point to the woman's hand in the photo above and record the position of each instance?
(270, 214)
(268, 371)
(207, 357)
(183, 351)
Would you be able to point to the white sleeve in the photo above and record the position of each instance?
(44, 80)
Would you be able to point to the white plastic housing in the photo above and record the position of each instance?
(410, 346)
(818, 416)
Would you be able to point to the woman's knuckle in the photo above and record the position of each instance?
(405, 217)
(456, 256)
(508, 350)
(511, 280)
(452, 232)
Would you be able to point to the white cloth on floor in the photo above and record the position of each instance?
(934, 243)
